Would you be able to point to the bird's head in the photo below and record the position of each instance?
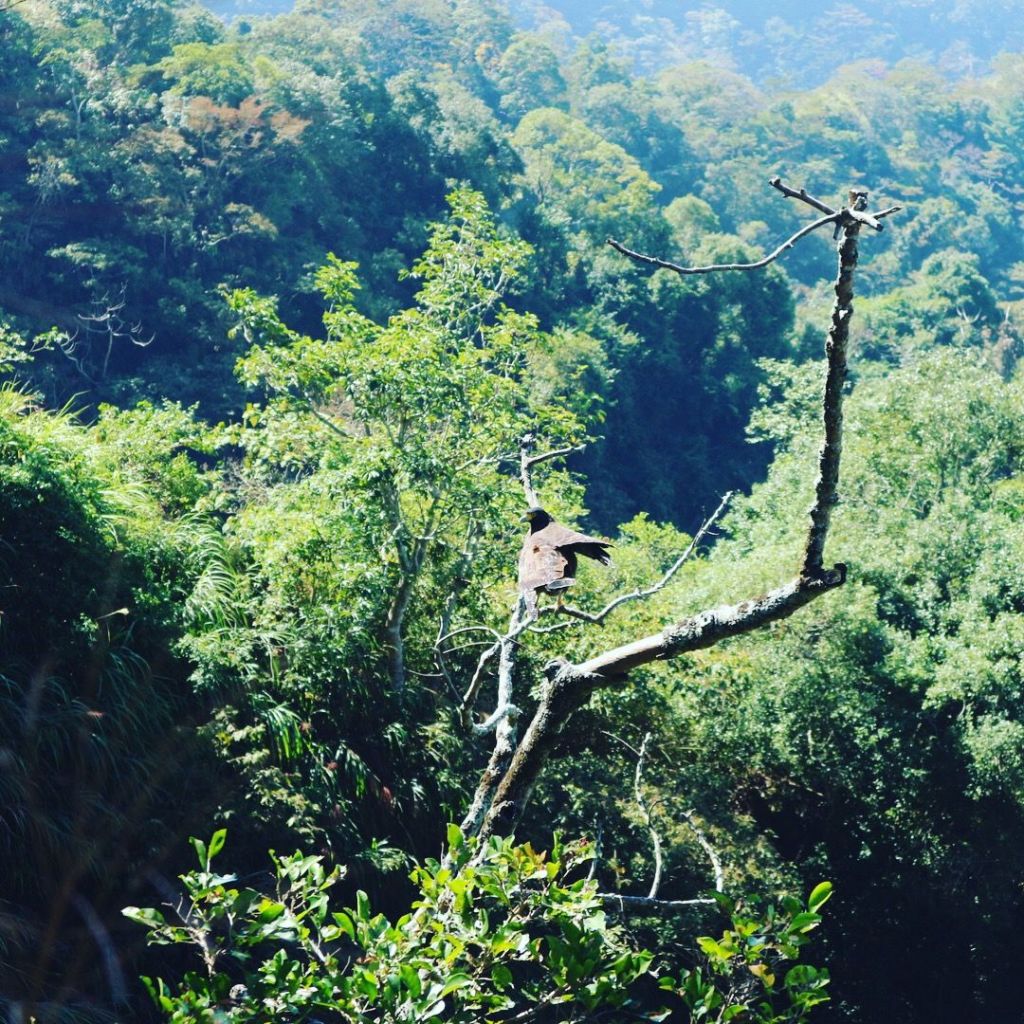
(536, 517)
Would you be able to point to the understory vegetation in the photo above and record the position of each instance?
(285, 305)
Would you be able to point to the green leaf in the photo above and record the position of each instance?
(713, 949)
(216, 843)
(362, 906)
(455, 838)
(200, 847)
(455, 982)
(344, 922)
(270, 910)
(501, 976)
(819, 896)
(145, 916)
(410, 979)
(804, 922)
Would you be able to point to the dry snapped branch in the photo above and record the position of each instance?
(515, 763)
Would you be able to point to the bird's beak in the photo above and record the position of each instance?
(526, 517)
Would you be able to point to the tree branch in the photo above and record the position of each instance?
(645, 812)
(825, 488)
(801, 194)
(325, 420)
(649, 903)
(708, 628)
(516, 626)
(528, 461)
(503, 720)
(716, 864)
(505, 728)
(714, 268)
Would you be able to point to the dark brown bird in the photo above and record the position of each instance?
(548, 559)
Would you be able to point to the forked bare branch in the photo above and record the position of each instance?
(852, 211)
(528, 461)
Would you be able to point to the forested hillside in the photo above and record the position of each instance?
(293, 310)
(791, 43)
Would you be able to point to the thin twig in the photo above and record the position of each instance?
(714, 268)
(516, 627)
(887, 212)
(645, 812)
(556, 453)
(716, 864)
(598, 837)
(469, 629)
(646, 903)
(325, 420)
(645, 809)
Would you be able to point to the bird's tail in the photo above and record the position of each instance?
(563, 584)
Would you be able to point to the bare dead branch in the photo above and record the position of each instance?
(887, 212)
(825, 488)
(801, 194)
(714, 268)
(502, 643)
(90, 346)
(516, 627)
(558, 452)
(528, 461)
(645, 812)
(506, 728)
(709, 627)
(598, 837)
(468, 629)
(647, 903)
(504, 719)
(716, 864)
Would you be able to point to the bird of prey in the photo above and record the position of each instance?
(547, 561)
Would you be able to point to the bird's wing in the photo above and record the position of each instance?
(540, 563)
(596, 550)
(562, 537)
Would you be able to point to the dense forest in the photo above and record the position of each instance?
(296, 303)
